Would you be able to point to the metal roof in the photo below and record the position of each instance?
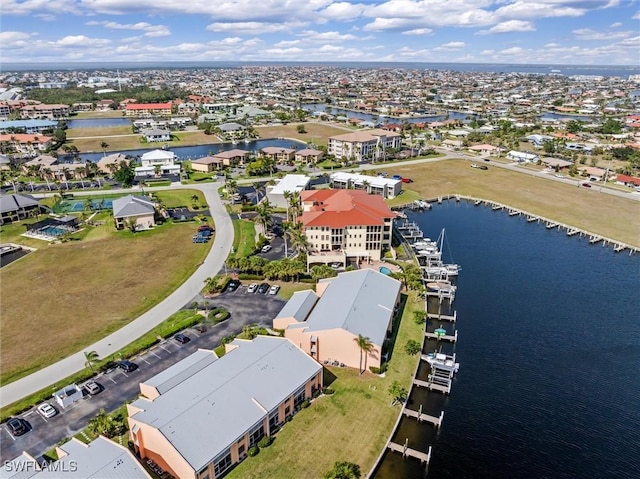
(131, 206)
(360, 302)
(292, 183)
(181, 370)
(299, 306)
(209, 410)
(15, 202)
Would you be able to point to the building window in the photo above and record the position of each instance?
(221, 465)
(256, 435)
(298, 399)
(274, 422)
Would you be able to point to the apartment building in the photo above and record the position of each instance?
(25, 144)
(375, 185)
(198, 418)
(148, 109)
(364, 145)
(345, 225)
(44, 112)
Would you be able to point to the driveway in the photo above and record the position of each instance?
(246, 308)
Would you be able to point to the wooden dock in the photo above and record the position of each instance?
(407, 451)
(447, 337)
(432, 386)
(420, 416)
(443, 317)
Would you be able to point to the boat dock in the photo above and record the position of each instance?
(444, 337)
(407, 451)
(444, 389)
(443, 317)
(549, 223)
(420, 416)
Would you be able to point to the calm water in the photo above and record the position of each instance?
(549, 346)
(194, 152)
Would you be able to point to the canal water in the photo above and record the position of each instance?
(199, 151)
(549, 352)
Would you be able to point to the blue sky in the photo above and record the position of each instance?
(599, 32)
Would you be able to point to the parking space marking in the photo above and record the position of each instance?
(153, 352)
(112, 380)
(145, 360)
(162, 346)
(11, 435)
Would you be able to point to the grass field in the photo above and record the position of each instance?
(583, 208)
(61, 298)
(130, 141)
(101, 131)
(244, 238)
(316, 132)
(351, 425)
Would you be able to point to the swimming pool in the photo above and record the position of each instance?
(52, 231)
(385, 270)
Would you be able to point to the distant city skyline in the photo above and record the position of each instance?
(572, 32)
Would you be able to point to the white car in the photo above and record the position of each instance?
(266, 248)
(47, 410)
(274, 289)
(252, 288)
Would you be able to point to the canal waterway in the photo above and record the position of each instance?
(199, 151)
(549, 352)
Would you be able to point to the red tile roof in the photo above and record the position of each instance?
(148, 106)
(340, 208)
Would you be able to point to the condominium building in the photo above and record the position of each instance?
(345, 225)
(148, 109)
(364, 145)
(198, 418)
(45, 112)
(375, 185)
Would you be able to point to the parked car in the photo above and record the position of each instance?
(407, 180)
(205, 228)
(274, 289)
(266, 248)
(396, 177)
(181, 338)
(233, 285)
(483, 167)
(16, 426)
(200, 239)
(92, 387)
(47, 410)
(252, 288)
(263, 288)
(127, 365)
(204, 233)
(336, 265)
(586, 185)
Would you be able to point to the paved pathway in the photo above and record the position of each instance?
(191, 287)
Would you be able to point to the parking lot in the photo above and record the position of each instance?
(119, 386)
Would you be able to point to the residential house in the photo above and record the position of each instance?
(220, 160)
(65, 171)
(16, 207)
(82, 106)
(45, 112)
(538, 141)
(113, 159)
(309, 155)
(345, 225)
(25, 143)
(375, 185)
(42, 161)
(134, 208)
(365, 144)
(100, 458)
(594, 173)
(231, 127)
(162, 159)
(485, 149)
(522, 157)
(556, 163)
(279, 155)
(104, 105)
(326, 324)
(289, 183)
(156, 135)
(198, 418)
(148, 109)
(627, 180)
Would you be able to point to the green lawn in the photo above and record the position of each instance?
(244, 238)
(351, 425)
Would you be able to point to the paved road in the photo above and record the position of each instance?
(191, 287)
(118, 386)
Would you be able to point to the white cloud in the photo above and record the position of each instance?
(636, 16)
(148, 29)
(10, 40)
(26, 7)
(46, 17)
(616, 25)
(253, 28)
(418, 31)
(509, 26)
(589, 34)
(341, 11)
(512, 51)
(326, 36)
(450, 46)
(81, 41)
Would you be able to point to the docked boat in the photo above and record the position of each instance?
(441, 286)
(442, 361)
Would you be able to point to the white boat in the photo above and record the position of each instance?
(441, 286)
(452, 269)
(423, 243)
(442, 361)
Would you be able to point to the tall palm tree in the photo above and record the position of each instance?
(265, 211)
(257, 187)
(91, 358)
(104, 145)
(65, 174)
(366, 346)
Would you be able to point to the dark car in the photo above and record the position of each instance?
(483, 167)
(16, 426)
(586, 185)
(127, 365)
(263, 288)
(181, 338)
(233, 285)
(205, 228)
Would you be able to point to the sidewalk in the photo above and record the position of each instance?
(191, 287)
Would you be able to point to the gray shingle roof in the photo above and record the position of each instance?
(131, 206)
(209, 410)
(15, 202)
(360, 301)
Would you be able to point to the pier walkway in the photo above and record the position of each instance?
(443, 317)
(420, 416)
(433, 387)
(407, 451)
(444, 337)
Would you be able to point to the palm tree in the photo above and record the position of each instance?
(264, 211)
(231, 186)
(286, 228)
(91, 358)
(257, 187)
(104, 145)
(88, 205)
(366, 346)
(65, 173)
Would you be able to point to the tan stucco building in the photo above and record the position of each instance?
(325, 324)
(198, 418)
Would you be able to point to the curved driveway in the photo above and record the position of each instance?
(191, 287)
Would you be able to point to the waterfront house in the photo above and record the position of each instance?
(158, 159)
(157, 134)
(45, 112)
(114, 159)
(345, 225)
(25, 143)
(41, 161)
(27, 126)
(16, 207)
(134, 208)
(220, 160)
(279, 155)
(309, 155)
(375, 185)
(325, 324)
(199, 418)
(365, 144)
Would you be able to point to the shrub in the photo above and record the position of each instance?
(328, 391)
(265, 442)
(217, 315)
(253, 451)
(374, 369)
(412, 347)
(305, 404)
(248, 276)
